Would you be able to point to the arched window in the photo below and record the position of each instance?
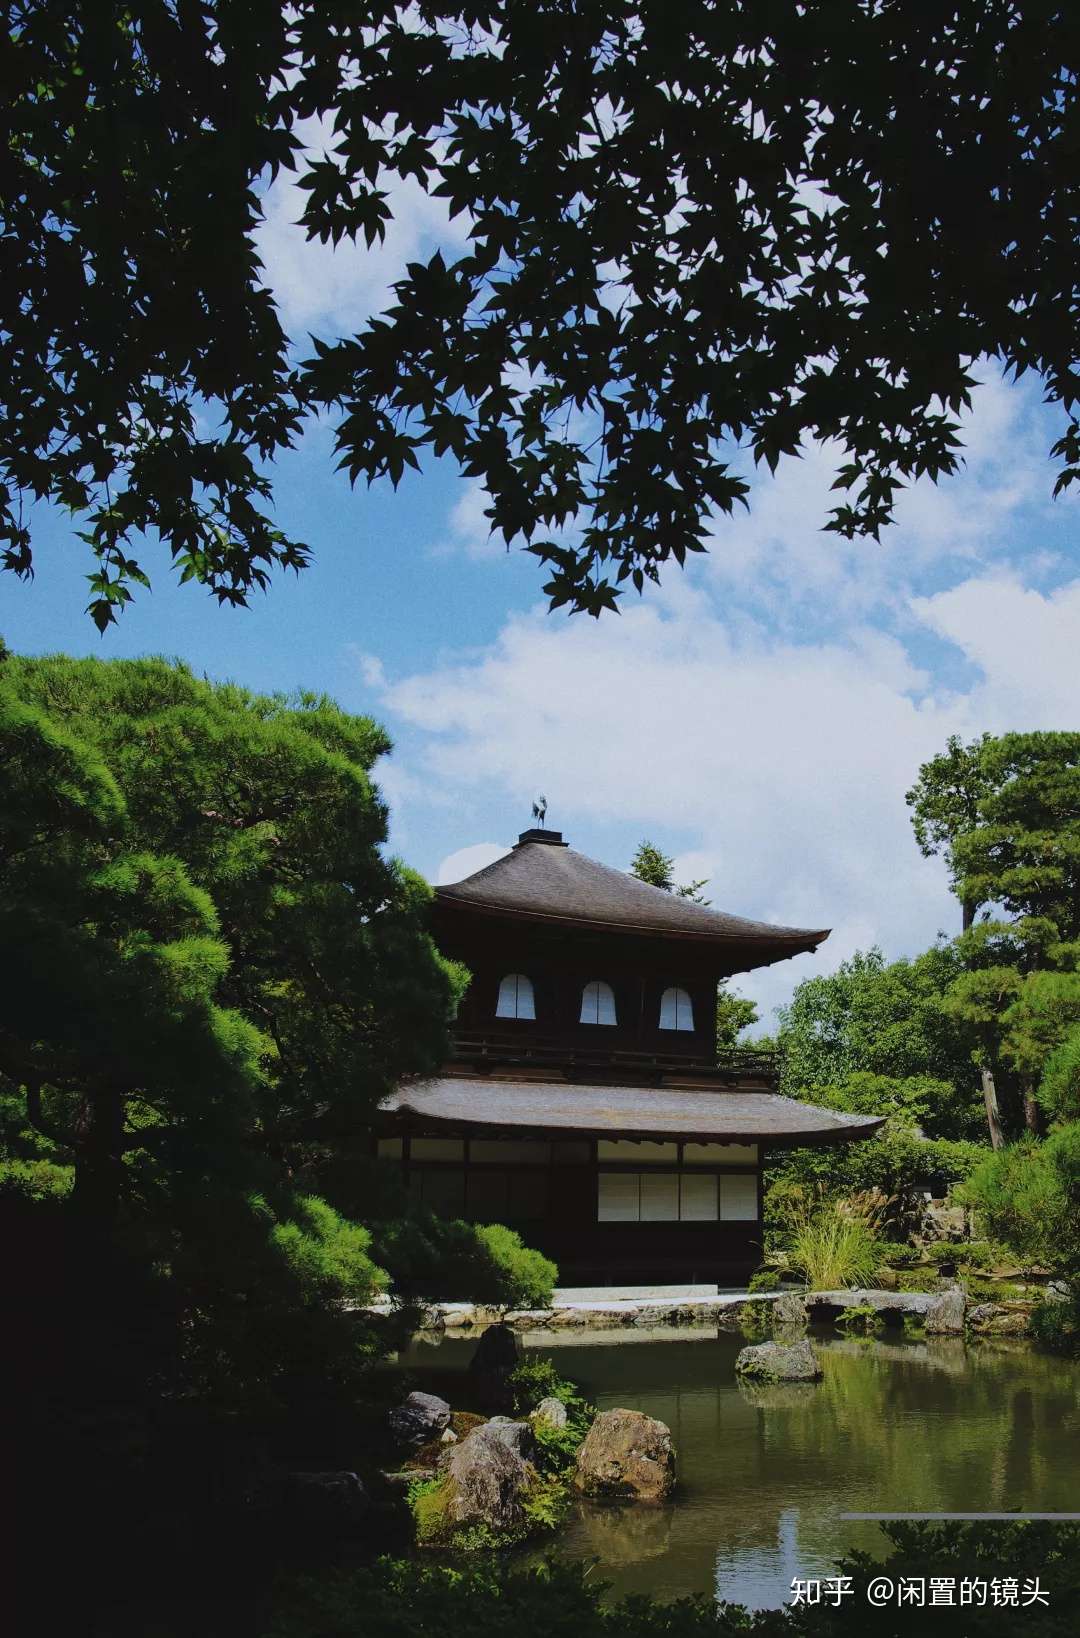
(516, 997)
(598, 1003)
(676, 1010)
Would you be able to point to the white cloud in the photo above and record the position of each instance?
(1024, 643)
(324, 287)
(782, 763)
(468, 530)
(468, 860)
(777, 555)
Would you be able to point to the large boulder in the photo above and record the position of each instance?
(496, 1358)
(517, 1436)
(423, 1416)
(496, 1352)
(626, 1456)
(487, 1480)
(552, 1411)
(780, 1362)
(945, 1316)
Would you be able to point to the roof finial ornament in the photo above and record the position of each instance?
(540, 810)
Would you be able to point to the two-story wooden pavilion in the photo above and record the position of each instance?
(586, 1104)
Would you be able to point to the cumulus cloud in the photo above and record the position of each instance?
(321, 287)
(468, 860)
(778, 558)
(782, 764)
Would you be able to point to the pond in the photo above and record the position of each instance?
(895, 1426)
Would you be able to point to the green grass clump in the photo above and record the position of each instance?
(766, 1279)
(834, 1243)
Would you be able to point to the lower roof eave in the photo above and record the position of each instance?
(560, 1110)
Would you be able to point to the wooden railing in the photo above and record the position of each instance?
(547, 1052)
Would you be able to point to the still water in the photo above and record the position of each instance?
(900, 1426)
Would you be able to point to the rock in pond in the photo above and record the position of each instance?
(422, 1417)
(487, 1480)
(552, 1411)
(626, 1456)
(789, 1310)
(780, 1362)
(945, 1316)
(497, 1352)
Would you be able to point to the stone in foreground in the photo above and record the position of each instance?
(422, 1417)
(552, 1411)
(487, 1480)
(779, 1362)
(626, 1456)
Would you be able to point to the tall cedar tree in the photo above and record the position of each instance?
(690, 230)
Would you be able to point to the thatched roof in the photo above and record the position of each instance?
(629, 1111)
(543, 879)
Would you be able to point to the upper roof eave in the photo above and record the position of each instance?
(794, 940)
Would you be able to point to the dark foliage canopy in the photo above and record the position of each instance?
(693, 230)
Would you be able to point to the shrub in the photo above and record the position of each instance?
(36, 1179)
(1056, 1323)
(766, 1279)
(898, 1256)
(975, 1254)
(526, 1277)
(1028, 1195)
(547, 1500)
(943, 1251)
(536, 1378)
(834, 1243)
(399, 1598)
(430, 1258)
(898, 1163)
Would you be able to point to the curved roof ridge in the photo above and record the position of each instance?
(554, 882)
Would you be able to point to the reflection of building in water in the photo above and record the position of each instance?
(585, 1103)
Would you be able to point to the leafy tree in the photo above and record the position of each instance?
(876, 1036)
(209, 963)
(1022, 986)
(762, 226)
(658, 869)
(945, 804)
(734, 1013)
(201, 934)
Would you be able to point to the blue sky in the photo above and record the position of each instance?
(759, 716)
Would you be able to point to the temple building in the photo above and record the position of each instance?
(586, 1104)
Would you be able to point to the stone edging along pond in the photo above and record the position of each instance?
(734, 1312)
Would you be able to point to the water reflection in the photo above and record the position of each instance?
(764, 1472)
